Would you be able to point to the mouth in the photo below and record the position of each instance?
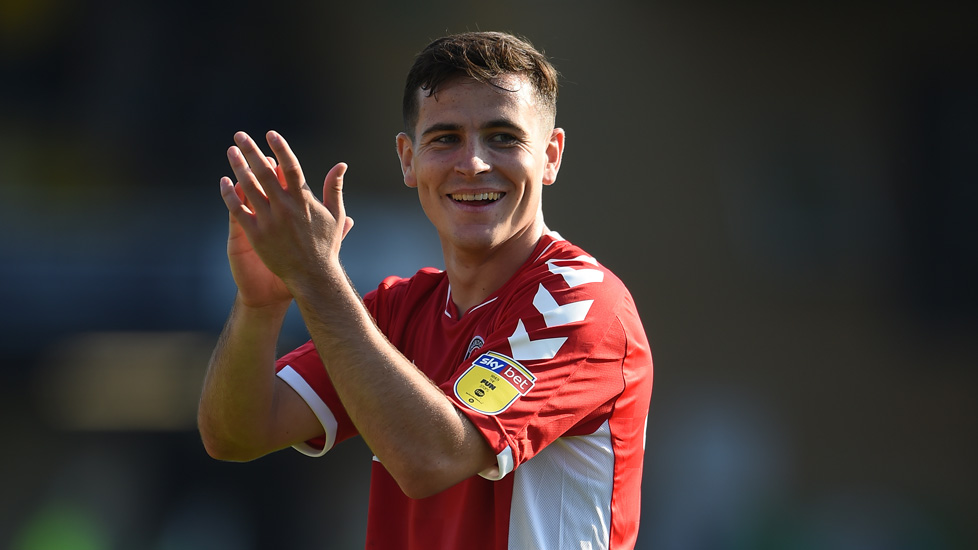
(476, 199)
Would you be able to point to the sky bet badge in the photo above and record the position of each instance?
(492, 383)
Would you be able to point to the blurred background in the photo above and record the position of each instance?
(787, 188)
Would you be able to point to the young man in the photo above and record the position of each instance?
(505, 398)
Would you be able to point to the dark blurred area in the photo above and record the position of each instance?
(789, 190)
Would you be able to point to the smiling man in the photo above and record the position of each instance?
(505, 398)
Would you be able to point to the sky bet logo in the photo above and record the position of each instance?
(493, 383)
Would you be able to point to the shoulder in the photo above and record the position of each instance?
(398, 297)
(425, 280)
(563, 267)
(564, 299)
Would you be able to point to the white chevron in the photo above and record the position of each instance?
(573, 276)
(554, 314)
(525, 349)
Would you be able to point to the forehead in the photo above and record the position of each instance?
(463, 99)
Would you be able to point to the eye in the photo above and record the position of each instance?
(445, 139)
(503, 138)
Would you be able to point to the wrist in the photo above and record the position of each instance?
(329, 295)
(327, 279)
(271, 311)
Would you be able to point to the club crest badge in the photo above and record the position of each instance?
(475, 344)
(493, 383)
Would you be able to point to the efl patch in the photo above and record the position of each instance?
(493, 383)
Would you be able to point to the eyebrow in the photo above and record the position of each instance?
(441, 127)
(504, 123)
(452, 127)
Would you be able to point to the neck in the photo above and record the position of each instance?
(474, 276)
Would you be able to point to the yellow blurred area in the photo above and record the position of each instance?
(29, 24)
(124, 381)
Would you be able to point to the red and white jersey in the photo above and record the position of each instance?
(555, 371)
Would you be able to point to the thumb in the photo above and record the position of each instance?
(333, 192)
(347, 226)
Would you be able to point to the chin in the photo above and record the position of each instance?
(477, 240)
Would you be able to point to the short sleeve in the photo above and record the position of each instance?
(303, 371)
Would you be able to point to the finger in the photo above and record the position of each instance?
(347, 226)
(235, 225)
(237, 209)
(333, 191)
(278, 171)
(288, 164)
(254, 192)
(244, 199)
(257, 162)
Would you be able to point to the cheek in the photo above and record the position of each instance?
(432, 169)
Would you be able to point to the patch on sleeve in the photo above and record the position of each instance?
(493, 383)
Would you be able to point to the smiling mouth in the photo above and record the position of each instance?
(476, 199)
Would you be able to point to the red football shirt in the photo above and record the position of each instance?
(554, 369)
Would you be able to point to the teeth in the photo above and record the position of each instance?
(476, 196)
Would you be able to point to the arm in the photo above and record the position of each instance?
(410, 424)
(245, 411)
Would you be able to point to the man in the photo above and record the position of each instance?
(505, 398)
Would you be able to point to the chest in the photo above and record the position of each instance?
(438, 344)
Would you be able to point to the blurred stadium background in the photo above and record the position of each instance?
(789, 189)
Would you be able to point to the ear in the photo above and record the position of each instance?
(555, 152)
(405, 151)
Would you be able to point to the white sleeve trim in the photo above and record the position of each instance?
(504, 465)
(318, 406)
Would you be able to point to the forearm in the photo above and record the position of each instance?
(239, 387)
(407, 421)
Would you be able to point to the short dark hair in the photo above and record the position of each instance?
(483, 56)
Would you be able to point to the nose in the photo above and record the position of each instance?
(472, 161)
